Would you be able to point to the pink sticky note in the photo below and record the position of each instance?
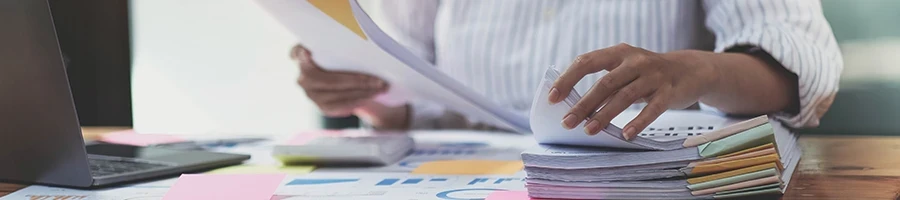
(225, 186)
(509, 195)
(130, 137)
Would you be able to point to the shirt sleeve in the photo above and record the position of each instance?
(411, 24)
(796, 34)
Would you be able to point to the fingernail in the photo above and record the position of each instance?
(304, 52)
(592, 127)
(570, 121)
(554, 94)
(303, 56)
(629, 133)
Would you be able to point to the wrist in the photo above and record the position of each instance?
(381, 116)
(704, 66)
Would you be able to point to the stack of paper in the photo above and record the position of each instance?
(712, 170)
(694, 156)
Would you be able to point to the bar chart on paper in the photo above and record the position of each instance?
(395, 186)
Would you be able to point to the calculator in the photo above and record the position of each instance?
(375, 149)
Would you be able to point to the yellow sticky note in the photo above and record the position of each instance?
(263, 169)
(469, 167)
(340, 11)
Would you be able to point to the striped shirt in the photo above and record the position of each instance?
(500, 48)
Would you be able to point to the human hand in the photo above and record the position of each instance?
(673, 80)
(337, 94)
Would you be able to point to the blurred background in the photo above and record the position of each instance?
(213, 66)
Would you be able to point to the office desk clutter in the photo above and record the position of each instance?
(682, 155)
(442, 165)
(742, 164)
(476, 165)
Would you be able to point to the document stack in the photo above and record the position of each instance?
(683, 155)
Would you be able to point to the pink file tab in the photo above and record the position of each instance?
(225, 186)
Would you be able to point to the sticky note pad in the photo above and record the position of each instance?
(130, 137)
(469, 167)
(263, 169)
(225, 186)
(509, 195)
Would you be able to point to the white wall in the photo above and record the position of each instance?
(214, 66)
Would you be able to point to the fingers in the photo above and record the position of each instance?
(340, 104)
(312, 77)
(295, 51)
(653, 110)
(619, 102)
(338, 96)
(339, 81)
(598, 94)
(304, 59)
(336, 93)
(595, 61)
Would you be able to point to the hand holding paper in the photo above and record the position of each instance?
(336, 93)
(338, 45)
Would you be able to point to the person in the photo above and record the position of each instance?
(741, 57)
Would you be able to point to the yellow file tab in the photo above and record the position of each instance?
(341, 12)
(469, 167)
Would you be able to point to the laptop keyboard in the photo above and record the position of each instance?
(105, 167)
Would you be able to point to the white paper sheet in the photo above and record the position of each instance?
(546, 123)
(316, 186)
(144, 191)
(335, 47)
(364, 186)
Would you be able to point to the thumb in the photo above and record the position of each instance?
(297, 51)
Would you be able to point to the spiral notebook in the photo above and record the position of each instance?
(675, 129)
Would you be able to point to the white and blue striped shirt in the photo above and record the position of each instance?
(500, 48)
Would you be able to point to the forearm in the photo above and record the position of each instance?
(384, 117)
(746, 85)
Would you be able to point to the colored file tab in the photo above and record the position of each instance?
(732, 173)
(130, 137)
(225, 186)
(341, 12)
(732, 165)
(469, 167)
(263, 169)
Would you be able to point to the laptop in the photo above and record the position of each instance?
(40, 136)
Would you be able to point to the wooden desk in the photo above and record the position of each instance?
(832, 167)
